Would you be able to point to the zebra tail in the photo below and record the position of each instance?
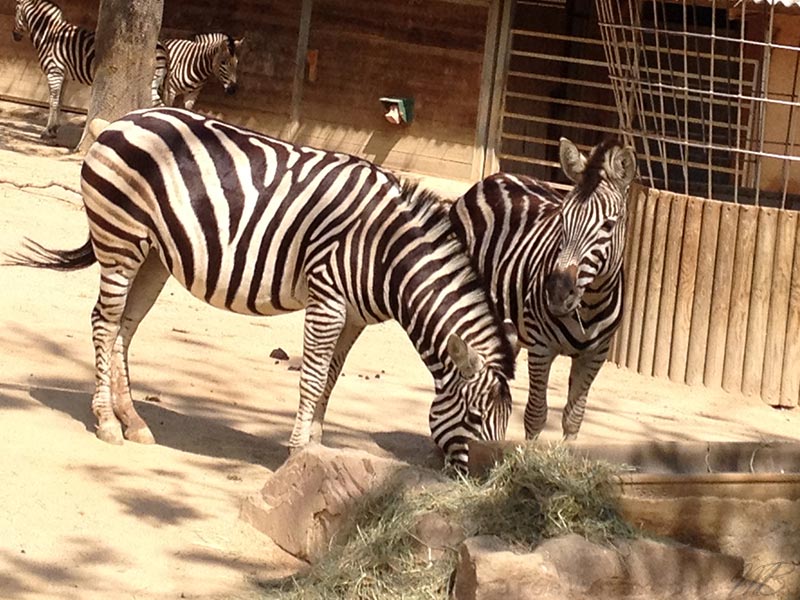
(37, 256)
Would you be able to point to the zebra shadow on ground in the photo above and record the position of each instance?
(187, 433)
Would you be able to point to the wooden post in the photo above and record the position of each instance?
(666, 307)
(636, 200)
(642, 275)
(779, 308)
(759, 302)
(686, 280)
(790, 383)
(304, 28)
(654, 284)
(704, 284)
(721, 296)
(739, 311)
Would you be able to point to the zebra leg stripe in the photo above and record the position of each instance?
(348, 337)
(324, 322)
(143, 292)
(581, 376)
(539, 375)
(55, 83)
(106, 318)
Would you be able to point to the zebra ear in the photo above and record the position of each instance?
(511, 333)
(573, 162)
(467, 360)
(622, 167)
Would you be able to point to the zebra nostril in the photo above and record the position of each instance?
(231, 89)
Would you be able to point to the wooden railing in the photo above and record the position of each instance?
(712, 295)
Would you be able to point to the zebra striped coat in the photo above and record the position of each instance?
(66, 51)
(260, 227)
(193, 62)
(554, 266)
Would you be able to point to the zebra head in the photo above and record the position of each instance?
(592, 222)
(475, 404)
(226, 63)
(35, 17)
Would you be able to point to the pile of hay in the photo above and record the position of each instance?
(534, 494)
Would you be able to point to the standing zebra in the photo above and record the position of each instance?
(67, 51)
(193, 62)
(261, 227)
(554, 266)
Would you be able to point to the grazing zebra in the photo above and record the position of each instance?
(261, 227)
(67, 51)
(554, 266)
(193, 62)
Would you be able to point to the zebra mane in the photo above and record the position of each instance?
(425, 203)
(225, 38)
(433, 214)
(593, 172)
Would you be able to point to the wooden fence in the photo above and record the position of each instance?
(712, 295)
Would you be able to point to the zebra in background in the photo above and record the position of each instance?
(258, 226)
(67, 51)
(193, 62)
(554, 266)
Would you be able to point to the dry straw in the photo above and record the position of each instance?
(536, 492)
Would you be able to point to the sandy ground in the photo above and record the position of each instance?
(84, 520)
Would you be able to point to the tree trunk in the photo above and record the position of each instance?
(125, 46)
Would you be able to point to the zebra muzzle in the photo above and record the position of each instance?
(561, 291)
(16, 35)
(230, 89)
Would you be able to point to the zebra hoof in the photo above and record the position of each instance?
(570, 437)
(48, 134)
(140, 435)
(110, 433)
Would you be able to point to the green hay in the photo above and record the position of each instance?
(534, 494)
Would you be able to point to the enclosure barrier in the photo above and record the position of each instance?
(712, 295)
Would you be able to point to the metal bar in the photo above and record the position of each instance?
(539, 98)
(552, 121)
(304, 26)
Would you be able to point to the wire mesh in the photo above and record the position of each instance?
(707, 92)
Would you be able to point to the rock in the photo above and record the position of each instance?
(572, 567)
(437, 535)
(309, 498)
(279, 354)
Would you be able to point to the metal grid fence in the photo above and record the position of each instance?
(708, 92)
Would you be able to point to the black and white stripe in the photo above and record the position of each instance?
(193, 62)
(66, 51)
(554, 266)
(260, 227)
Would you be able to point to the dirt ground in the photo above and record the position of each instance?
(84, 520)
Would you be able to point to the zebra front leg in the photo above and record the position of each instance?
(142, 294)
(348, 337)
(55, 83)
(324, 322)
(582, 373)
(540, 360)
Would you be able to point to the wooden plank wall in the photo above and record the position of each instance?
(712, 295)
(432, 51)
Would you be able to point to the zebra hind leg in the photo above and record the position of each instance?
(582, 373)
(142, 294)
(55, 84)
(324, 322)
(539, 362)
(348, 337)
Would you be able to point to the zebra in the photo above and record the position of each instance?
(554, 266)
(259, 226)
(193, 62)
(68, 51)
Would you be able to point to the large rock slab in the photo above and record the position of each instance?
(309, 498)
(572, 567)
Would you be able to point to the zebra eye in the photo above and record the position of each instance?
(609, 223)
